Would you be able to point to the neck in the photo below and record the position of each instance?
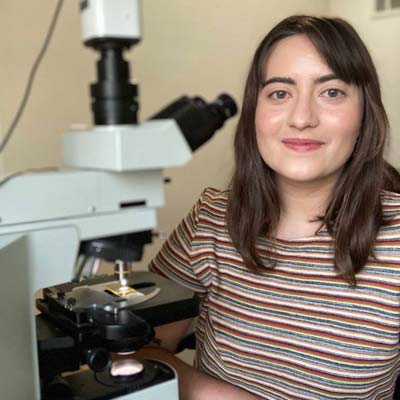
(301, 204)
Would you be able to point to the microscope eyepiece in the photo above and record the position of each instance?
(197, 119)
(226, 105)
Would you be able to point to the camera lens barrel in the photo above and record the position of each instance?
(114, 98)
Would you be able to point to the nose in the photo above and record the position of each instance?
(303, 113)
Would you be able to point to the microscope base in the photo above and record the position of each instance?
(87, 385)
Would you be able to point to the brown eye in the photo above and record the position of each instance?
(279, 95)
(334, 93)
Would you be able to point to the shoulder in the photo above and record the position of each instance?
(390, 203)
(212, 205)
(214, 197)
(391, 216)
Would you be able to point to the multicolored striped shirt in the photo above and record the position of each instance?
(297, 331)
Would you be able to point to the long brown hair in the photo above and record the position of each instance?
(354, 214)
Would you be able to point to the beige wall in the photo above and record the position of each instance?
(202, 48)
(381, 35)
(59, 95)
(189, 47)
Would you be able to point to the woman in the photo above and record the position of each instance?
(298, 263)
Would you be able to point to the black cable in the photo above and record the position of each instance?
(32, 76)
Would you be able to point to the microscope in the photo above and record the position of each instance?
(56, 226)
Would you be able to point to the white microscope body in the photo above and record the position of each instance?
(44, 217)
(114, 187)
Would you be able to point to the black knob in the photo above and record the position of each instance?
(97, 359)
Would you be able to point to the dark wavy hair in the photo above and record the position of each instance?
(354, 214)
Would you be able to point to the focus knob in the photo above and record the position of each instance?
(97, 359)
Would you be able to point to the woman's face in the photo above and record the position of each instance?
(307, 120)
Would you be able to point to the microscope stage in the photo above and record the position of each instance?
(155, 299)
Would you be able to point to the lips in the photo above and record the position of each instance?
(302, 144)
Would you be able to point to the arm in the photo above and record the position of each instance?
(174, 261)
(193, 384)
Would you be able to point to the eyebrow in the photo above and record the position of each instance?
(290, 81)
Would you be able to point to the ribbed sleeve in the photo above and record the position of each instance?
(175, 260)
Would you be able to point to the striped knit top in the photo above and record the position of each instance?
(297, 331)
